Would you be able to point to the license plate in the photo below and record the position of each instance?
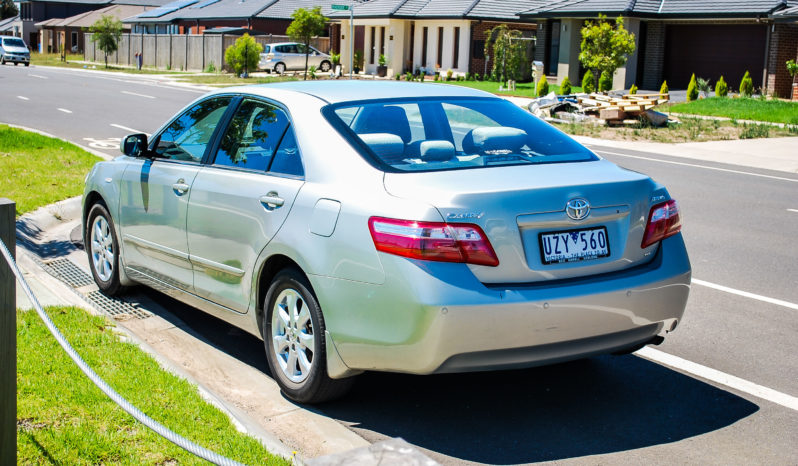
(574, 245)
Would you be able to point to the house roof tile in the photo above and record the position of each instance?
(669, 8)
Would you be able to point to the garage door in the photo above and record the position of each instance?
(710, 51)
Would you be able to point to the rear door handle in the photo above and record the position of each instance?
(181, 187)
(272, 201)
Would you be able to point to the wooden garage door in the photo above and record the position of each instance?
(710, 51)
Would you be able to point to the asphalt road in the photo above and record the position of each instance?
(739, 225)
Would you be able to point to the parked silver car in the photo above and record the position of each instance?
(389, 226)
(284, 56)
(13, 50)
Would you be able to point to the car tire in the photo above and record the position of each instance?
(27, 64)
(102, 248)
(294, 334)
(2, 60)
(325, 66)
(279, 68)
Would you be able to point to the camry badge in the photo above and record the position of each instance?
(577, 209)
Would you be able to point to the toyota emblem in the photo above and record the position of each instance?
(577, 209)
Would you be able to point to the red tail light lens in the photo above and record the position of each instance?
(663, 221)
(433, 241)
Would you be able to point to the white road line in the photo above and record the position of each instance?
(39, 76)
(138, 95)
(126, 128)
(792, 210)
(65, 110)
(719, 377)
(746, 294)
(699, 166)
(25, 98)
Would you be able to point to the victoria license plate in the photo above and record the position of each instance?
(574, 245)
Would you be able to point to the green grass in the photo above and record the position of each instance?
(62, 418)
(521, 89)
(228, 79)
(54, 59)
(778, 111)
(37, 170)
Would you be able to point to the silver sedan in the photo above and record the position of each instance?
(388, 226)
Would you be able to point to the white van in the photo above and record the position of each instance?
(14, 50)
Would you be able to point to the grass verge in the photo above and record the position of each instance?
(62, 418)
(743, 108)
(689, 130)
(37, 170)
(54, 59)
(521, 89)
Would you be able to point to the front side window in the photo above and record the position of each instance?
(187, 137)
(252, 137)
(455, 133)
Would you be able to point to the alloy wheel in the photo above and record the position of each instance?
(102, 248)
(293, 337)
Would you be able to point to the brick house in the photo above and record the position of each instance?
(675, 38)
(449, 34)
(784, 46)
(58, 34)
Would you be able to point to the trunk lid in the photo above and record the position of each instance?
(514, 205)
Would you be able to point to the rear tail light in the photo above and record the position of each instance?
(433, 241)
(663, 221)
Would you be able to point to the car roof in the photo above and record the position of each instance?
(337, 91)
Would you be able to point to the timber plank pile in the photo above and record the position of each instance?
(610, 109)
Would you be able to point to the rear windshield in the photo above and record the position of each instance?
(14, 43)
(446, 134)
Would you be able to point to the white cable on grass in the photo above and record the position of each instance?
(163, 431)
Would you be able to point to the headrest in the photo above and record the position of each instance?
(388, 119)
(388, 147)
(488, 138)
(436, 150)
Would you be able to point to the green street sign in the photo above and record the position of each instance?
(340, 7)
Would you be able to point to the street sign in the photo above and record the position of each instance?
(339, 7)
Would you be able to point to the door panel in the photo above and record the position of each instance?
(229, 225)
(153, 219)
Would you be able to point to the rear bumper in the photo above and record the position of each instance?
(436, 317)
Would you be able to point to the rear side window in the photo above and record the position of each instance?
(252, 136)
(267, 48)
(446, 134)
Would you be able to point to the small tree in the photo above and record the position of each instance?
(243, 54)
(664, 88)
(306, 24)
(588, 82)
(721, 88)
(703, 86)
(507, 50)
(105, 33)
(8, 9)
(543, 87)
(605, 81)
(604, 47)
(746, 85)
(792, 68)
(565, 86)
(692, 89)
(633, 89)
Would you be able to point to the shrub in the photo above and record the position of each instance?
(721, 88)
(398, 76)
(605, 81)
(478, 77)
(543, 87)
(588, 82)
(754, 131)
(435, 77)
(746, 85)
(664, 88)
(245, 53)
(692, 89)
(633, 89)
(211, 68)
(565, 86)
(449, 74)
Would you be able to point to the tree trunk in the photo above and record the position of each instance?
(307, 53)
(106, 60)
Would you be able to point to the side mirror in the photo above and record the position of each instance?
(134, 145)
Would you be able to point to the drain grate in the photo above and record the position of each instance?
(68, 273)
(116, 307)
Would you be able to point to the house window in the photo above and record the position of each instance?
(479, 49)
(382, 40)
(440, 47)
(554, 48)
(424, 47)
(373, 46)
(74, 40)
(412, 41)
(456, 51)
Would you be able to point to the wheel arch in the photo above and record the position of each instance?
(271, 267)
(91, 199)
